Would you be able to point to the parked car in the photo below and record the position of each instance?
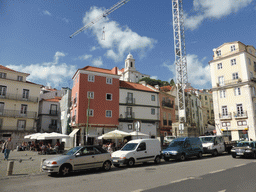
(138, 151)
(244, 149)
(213, 144)
(183, 147)
(78, 158)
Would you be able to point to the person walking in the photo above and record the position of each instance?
(8, 148)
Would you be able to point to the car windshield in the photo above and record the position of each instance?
(176, 143)
(129, 147)
(207, 139)
(244, 144)
(71, 151)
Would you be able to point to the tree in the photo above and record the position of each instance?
(172, 83)
(154, 82)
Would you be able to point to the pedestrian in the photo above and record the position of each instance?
(8, 148)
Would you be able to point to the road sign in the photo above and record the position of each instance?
(137, 125)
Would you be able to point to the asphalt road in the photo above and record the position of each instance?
(220, 174)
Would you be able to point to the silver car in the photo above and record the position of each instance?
(78, 158)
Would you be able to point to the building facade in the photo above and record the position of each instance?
(95, 103)
(18, 105)
(233, 74)
(65, 104)
(138, 103)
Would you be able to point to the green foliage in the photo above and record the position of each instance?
(172, 83)
(154, 82)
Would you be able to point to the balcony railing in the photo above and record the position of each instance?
(229, 82)
(16, 113)
(130, 100)
(53, 112)
(240, 115)
(129, 115)
(15, 128)
(225, 116)
(19, 97)
(167, 104)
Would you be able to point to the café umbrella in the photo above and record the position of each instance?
(116, 134)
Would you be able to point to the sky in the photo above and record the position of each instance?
(34, 36)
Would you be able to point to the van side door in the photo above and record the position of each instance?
(187, 148)
(141, 153)
(220, 144)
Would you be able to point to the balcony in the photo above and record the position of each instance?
(129, 115)
(16, 114)
(53, 112)
(167, 104)
(225, 116)
(240, 115)
(19, 97)
(130, 100)
(229, 82)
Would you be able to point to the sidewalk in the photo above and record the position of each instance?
(25, 163)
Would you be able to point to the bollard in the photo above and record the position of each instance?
(10, 168)
(42, 162)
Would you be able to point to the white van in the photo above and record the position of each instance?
(137, 151)
(213, 144)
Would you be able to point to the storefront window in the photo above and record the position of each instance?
(243, 135)
(227, 134)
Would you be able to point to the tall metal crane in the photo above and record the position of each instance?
(180, 59)
(105, 14)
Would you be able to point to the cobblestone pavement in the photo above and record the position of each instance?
(25, 163)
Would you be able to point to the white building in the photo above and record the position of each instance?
(138, 102)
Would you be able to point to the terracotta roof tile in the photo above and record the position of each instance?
(6, 68)
(129, 85)
(96, 69)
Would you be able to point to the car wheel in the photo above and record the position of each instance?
(234, 156)
(65, 170)
(166, 159)
(215, 153)
(106, 166)
(182, 157)
(130, 163)
(116, 165)
(199, 155)
(157, 160)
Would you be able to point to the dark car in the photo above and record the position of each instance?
(183, 147)
(244, 149)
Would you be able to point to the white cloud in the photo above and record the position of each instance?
(215, 9)
(51, 73)
(94, 48)
(66, 20)
(153, 77)
(118, 40)
(45, 12)
(97, 62)
(85, 57)
(198, 73)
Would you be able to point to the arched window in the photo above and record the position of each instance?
(131, 64)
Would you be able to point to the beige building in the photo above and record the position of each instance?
(18, 105)
(233, 74)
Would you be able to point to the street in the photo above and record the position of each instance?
(222, 173)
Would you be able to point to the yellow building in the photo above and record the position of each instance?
(233, 74)
(18, 105)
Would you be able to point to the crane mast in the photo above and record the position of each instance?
(180, 59)
(105, 14)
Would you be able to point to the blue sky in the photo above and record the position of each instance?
(35, 36)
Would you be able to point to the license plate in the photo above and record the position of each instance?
(239, 153)
(115, 160)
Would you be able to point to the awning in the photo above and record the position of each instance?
(73, 132)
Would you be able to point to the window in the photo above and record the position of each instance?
(251, 74)
(233, 61)
(23, 109)
(222, 93)
(235, 75)
(250, 51)
(153, 97)
(3, 90)
(21, 124)
(142, 147)
(225, 124)
(219, 65)
(25, 93)
(239, 108)
(249, 61)
(218, 53)
(108, 113)
(91, 78)
(129, 126)
(3, 75)
(54, 122)
(1, 123)
(129, 112)
(241, 123)
(254, 66)
(153, 111)
(1, 108)
(233, 47)
(109, 97)
(90, 95)
(237, 91)
(221, 80)
(205, 97)
(109, 80)
(19, 78)
(129, 97)
(91, 112)
(53, 110)
(224, 110)
(131, 64)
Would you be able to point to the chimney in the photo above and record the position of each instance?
(143, 83)
(114, 70)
